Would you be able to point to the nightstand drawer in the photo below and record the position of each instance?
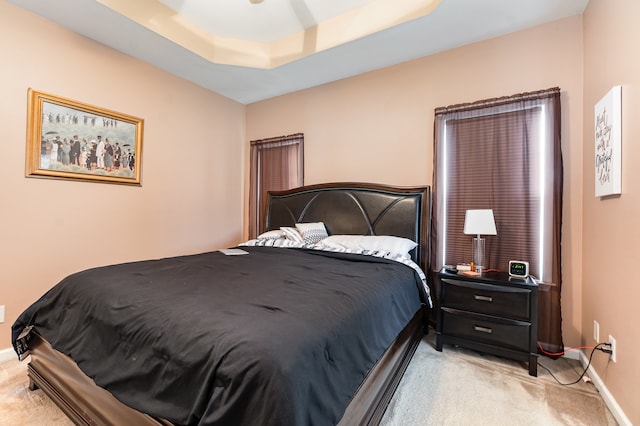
(510, 302)
(486, 329)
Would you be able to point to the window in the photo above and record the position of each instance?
(504, 154)
(276, 164)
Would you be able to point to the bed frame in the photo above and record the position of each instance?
(364, 209)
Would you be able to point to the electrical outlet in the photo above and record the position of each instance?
(1, 314)
(614, 349)
(596, 331)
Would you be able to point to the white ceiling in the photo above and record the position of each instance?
(452, 23)
(267, 21)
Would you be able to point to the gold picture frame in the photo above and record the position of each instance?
(67, 139)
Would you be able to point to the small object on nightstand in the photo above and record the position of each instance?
(463, 267)
(518, 268)
(450, 269)
(471, 273)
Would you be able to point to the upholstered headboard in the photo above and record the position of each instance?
(357, 209)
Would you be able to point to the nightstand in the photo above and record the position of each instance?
(491, 313)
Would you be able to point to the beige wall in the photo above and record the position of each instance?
(379, 126)
(611, 290)
(191, 194)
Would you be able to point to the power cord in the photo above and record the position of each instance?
(604, 347)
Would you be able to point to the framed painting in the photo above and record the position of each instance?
(67, 139)
(608, 149)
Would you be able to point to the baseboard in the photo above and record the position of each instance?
(572, 354)
(7, 355)
(608, 399)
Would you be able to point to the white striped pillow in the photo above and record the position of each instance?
(292, 234)
(312, 232)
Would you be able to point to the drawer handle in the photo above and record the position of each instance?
(483, 298)
(482, 329)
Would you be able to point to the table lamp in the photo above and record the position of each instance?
(479, 222)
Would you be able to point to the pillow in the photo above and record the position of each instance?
(312, 232)
(397, 245)
(292, 234)
(276, 234)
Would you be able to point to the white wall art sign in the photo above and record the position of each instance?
(608, 135)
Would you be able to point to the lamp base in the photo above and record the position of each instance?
(478, 253)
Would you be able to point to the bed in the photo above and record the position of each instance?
(294, 333)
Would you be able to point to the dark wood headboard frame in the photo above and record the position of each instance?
(357, 209)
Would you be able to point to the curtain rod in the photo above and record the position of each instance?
(526, 96)
(287, 138)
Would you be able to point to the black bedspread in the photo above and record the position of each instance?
(275, 337)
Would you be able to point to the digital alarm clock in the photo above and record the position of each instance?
(518, 268)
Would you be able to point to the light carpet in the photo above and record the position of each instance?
(21, 407)
(453, 387)
(463, 387)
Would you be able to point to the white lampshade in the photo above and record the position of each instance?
(479, 222)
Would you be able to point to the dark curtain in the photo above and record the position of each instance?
(276, 164)
(504, 154)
